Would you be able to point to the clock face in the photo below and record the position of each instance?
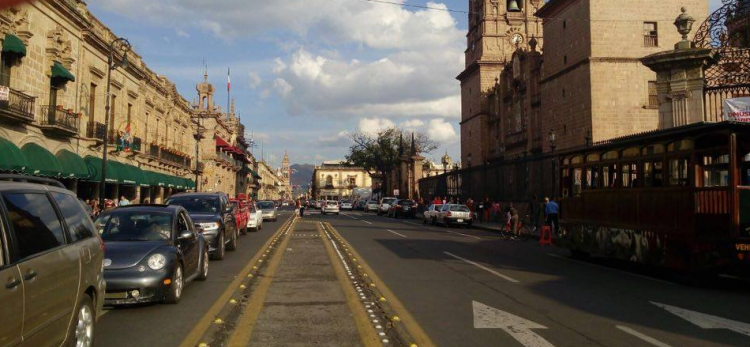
(516, 39)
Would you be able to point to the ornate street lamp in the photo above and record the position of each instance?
(552, 138)
(198, 136)
(121, 46)
(684, 24)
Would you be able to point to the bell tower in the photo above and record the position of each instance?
(497, 28)
(205, 93)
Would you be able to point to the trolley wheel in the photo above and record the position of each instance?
(524, 233)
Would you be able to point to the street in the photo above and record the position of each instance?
(463, 287)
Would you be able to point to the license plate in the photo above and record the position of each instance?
(120, 295)
(460, 220)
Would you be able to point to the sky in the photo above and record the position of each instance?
(308, 73)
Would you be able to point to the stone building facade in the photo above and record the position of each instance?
(270, 182)
(53, 92)
(496, 30)
(594, 84)
(333, 180)
(56, 83)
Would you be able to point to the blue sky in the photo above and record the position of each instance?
(306, 73)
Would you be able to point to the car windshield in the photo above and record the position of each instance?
(388, 201)
(332, 203)
(459, 208)
(128, 225)
(206, 205)
(438, 207)
(265, 205)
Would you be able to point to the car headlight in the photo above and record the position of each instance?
(209, 226)
(157, 262)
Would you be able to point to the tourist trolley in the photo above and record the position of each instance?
(677, 198)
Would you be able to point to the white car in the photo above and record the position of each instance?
(330, 207)
(254, 218)
(347, 205)
(430, 216)
(385, 204)
(268, 210)
(371, 206)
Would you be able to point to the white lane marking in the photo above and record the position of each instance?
(611, 269)
(412, 223)
(642, 336)
(367, 222)
(707, 321)
(457, 233)
(402, 235)
(346, 214)
(507, 278)
(486, 317)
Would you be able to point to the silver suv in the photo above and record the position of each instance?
(52, 288)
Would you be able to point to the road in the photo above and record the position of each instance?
(461, 287)
(167, 325)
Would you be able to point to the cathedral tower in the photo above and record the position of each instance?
(497, 28)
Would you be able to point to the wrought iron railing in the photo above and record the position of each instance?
(19, 104)
(60, 118)
(153, 150)
(95, 130)
(650, 40)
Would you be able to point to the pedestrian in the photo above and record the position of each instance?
(487, 208)
(146, 201)
(124, 201)
(513, 219)
(496, 211)
(480, 212)
(552, 211)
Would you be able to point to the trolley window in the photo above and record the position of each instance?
(611, 155)
(678, 172)
(716, 170)
(577, 181)
(653, 173)
(631, 152)
(682, 145)
(609, 176)
(592, 178)
(652, 150)
(629, 175)
(592, 158)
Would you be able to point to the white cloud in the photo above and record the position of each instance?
(413, 123)
(441, 131)
(340, 140)
(283, 87)
(373, 125)
(182, 33)
(255, 80)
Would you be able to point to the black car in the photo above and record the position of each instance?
(403, 208)
(151, 251)
(213, 217)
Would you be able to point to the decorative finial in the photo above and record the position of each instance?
(684, 24)
(532, 43)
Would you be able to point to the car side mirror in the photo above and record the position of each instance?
(186, 235)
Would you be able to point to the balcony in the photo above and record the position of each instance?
(59, 120)
(18, 107)
(153, 151)
(95, 130)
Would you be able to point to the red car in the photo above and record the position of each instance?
(241, 214)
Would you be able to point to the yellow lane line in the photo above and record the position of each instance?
(243, 330)
(193, 337)
(366, 332)
(421, 338)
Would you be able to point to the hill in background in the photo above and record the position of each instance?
(303, 174)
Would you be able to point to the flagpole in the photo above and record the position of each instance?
(229, 91)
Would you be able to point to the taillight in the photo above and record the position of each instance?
(102, 247)
(449, 214)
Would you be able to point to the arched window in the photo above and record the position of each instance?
(329, 181)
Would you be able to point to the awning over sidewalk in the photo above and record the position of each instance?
(72, 164)
(94, 165)
(12, 158)
(41, 161)
(13, 44)
(59, 71)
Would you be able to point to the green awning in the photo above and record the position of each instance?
(155, 179)
(41, 161)
(143, 179)
(13, 44)
(59, 71)
(189, 184)
(255, 174)
(171, 182)
(72, 165)
(94, 166)
(128, 174)
(179, 182)
(12, 159)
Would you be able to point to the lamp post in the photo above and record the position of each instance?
(198, 136)
(684, 24)
(552, 145)
(122, 46)
(552, 138)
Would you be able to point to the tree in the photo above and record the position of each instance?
(379, 153)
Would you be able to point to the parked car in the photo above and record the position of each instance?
(213, 217)
(330, 206)
(430, 215)
(53, 288)
(372, 206)
(241, 214)
(268, 209)
(451, 214)
(403, 208)
(151, 252)
(318, 204)
(346, 205)
(385, 204)
(255, 218)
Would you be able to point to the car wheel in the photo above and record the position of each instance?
(424, 220)
(82, 330)
(232, 246)
(220, 252)
(175, 290)
(204, 267)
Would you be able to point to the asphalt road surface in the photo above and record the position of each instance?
(167, 325)
(466, 287)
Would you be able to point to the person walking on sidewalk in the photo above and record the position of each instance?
(552, 211)
(513, 220)
(496, 211)
(487, 208)
(480, 211)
